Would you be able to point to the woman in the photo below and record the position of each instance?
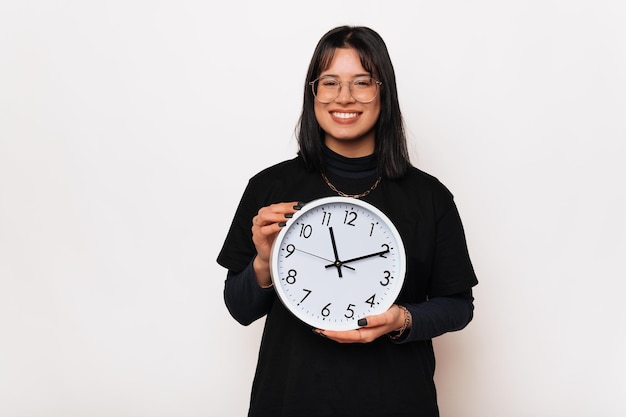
(351, 142)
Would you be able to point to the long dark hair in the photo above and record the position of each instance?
(391, 144)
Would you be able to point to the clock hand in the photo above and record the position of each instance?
(337, 261)
(338, 264)
(320, 257)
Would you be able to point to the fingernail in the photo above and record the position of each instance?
(282, 224)
(298, 206)
(362, 322)
(288, 215)
(319, 332)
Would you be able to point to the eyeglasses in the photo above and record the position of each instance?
(363, 89)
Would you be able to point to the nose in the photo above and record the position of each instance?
(345, 95)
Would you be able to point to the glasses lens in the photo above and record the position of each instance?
(364, 89)
(327, 89)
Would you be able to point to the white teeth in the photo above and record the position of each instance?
(345, 115)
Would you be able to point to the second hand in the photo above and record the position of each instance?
(325, 259)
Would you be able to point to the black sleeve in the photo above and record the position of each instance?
(452, 270)
(238, 249)
(439, 315)
(245, 299)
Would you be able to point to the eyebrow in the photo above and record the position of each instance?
(365, 74)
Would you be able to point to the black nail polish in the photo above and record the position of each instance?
(362, 322)
(318, 332)
(288, 215)
(298, 206)
(282, 224)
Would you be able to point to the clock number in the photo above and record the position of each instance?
(325, 310)
(386, 279)
(326, 218)
(386, 249)
(308, 292)
(349, 218)
(291, 249)
(372, 228)
(291, 276)
(350, 313)
(305, 231)
(371, 301)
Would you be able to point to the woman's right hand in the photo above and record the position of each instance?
(265, 226)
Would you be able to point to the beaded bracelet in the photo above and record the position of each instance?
(407, 319)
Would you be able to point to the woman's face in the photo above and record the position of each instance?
(347, 123)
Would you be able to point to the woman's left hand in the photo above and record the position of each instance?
(376, 326)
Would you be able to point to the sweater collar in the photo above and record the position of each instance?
(339, 165)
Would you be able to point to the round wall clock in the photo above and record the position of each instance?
(337, 260)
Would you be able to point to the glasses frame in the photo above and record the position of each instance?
(350, 83)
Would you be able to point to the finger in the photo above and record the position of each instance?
(267, 224)
(379, 320)
(347, 336)
(265, 231)
(275, 213)
(374, 321)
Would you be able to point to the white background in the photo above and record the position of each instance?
(128, 130)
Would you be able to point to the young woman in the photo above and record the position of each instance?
(352, 143)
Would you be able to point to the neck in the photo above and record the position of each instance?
(351, 149)
(337, 165)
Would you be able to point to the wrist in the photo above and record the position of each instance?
(406, 320)
(262, 272)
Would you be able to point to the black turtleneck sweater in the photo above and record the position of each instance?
(301, 374)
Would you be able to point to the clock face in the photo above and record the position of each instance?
(337, 260)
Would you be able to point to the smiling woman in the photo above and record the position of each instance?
(351, 143)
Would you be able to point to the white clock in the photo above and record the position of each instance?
(337, 260)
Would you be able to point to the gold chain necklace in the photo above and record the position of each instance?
(341, 193)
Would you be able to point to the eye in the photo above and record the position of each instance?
(363, 82)
(329, 82)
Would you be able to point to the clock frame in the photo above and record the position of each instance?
(337, 260)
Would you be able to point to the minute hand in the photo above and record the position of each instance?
(359, 258)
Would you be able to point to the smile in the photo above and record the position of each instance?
(344, 115)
